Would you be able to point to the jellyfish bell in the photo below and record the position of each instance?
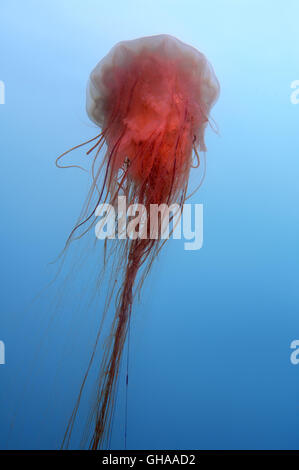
(170, 72)
(151, 97)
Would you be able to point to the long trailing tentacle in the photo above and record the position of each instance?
(99, 136)
(136, 252)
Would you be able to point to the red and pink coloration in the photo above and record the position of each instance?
(152, 96)
(152, 99)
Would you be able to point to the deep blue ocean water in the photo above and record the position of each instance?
(210, 341)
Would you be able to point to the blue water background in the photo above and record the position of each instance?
(210, 341)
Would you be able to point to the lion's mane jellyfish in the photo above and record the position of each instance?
(151, 98)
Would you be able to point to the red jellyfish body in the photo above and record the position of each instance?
(151, 97)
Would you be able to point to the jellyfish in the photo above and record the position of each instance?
(151, 100)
